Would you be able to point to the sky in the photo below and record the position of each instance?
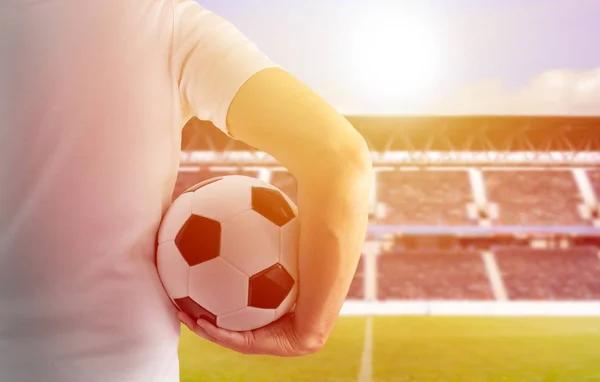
(386, 57)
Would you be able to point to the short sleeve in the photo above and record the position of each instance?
(213, 60)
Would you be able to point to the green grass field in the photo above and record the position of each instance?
(442, 349)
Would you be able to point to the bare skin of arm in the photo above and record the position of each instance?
(278, 114)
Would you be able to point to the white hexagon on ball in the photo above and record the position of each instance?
(290, 236)
(288, 303)
(248, 318)
(179, 212)
(250, 242)
(173, 270)
(218, 286)
(208, 200)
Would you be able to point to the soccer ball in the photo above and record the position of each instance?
(228, 252)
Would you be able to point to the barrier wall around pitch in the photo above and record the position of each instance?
(472, 308)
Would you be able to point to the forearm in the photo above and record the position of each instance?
(278, 114)
(333, 219)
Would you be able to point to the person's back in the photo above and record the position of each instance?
(93, 96)
(90, 130)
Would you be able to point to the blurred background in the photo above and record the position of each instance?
(483, 117)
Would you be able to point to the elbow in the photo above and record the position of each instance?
(358, 156)
(312, 344)
(355, 164)
(344, 154)
(351, 155)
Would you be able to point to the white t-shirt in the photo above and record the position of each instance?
(93, 96)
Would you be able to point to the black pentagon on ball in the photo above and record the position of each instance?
(270, 287)
(194, 310)
(199, 240)
(272, 205)
(203, 184)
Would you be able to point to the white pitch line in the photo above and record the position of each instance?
(366, 361)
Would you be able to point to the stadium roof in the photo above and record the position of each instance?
(443, 133)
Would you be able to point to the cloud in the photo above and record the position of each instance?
(554, 92)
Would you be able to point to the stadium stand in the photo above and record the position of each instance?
(433, 173)
(436, 268)
(424, 197)
(550, 274)
(534, 198)
(357, 287)
(594, 176)
(432, 275)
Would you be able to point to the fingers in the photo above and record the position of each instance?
(187, 320)
(237, 341)
(194, 327)
(232, 340)
(274, 339)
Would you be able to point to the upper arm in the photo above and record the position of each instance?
(226, 79)
(213, 60)
(277, 113)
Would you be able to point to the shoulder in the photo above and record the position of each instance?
(190, 14)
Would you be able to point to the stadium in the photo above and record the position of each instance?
(482, 261)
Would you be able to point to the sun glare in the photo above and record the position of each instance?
(395, 61)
